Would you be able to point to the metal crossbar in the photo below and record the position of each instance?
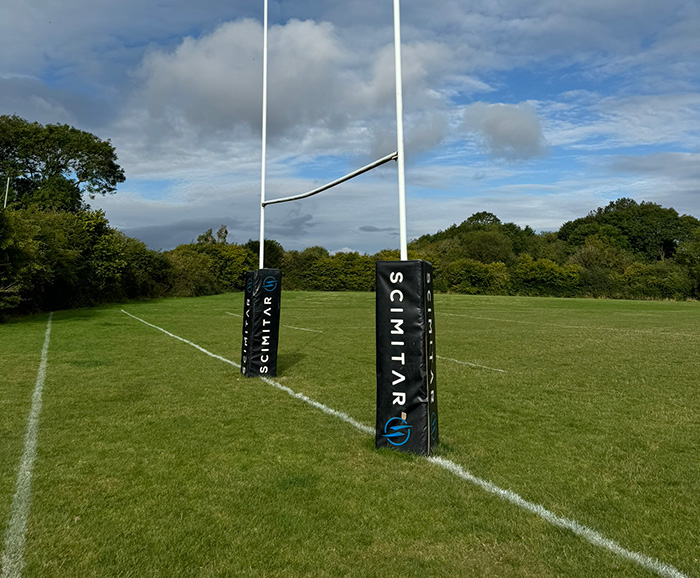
(398, 156)
(392, 157)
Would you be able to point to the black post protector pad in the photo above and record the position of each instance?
(407, 411)
(261, 322)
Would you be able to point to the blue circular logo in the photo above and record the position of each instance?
(270, 283)
(397, 431)
(249, 285)
(433, 426)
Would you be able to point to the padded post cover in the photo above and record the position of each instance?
(261, 322)
(407, 411)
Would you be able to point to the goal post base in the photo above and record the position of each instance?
(407, 410)
(261, 322)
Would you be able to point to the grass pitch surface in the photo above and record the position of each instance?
(157, 460)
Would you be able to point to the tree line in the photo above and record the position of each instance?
(53, 259)
(56, 252)
(625, 250)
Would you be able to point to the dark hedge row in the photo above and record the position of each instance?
(54, 260)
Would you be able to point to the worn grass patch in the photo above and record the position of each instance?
(157, 460)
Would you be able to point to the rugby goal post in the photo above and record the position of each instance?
(406, 414)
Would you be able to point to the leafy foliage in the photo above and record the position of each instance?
(60, 258)
(342, 272)
(53, 260)
(472, 277)
(650, 231)
(544, 277)
(51, 167)
(210, 265)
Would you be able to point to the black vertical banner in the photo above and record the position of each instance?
(407, 411)
(261, 322)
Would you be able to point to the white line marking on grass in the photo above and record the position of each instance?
(595, 538)
(289, 326)
(590, 535)
(209, 353)
(324, 408)
(471, 364)
(303, 329)
(562, 326)
(13, 556)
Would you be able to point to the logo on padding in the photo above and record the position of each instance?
(249, 285)
(270, 284)
(397, 431)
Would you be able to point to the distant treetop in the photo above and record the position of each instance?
(51, 167)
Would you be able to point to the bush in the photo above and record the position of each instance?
(230, 264)
(58, 260)
(296, 267)
(192, 272)
(661, 280)
(472, 277)
(147, 273)
(342, 272)
(544, 277)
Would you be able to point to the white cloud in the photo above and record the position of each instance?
(210, 83)
(587, 120)
(506, 131)
(177, 88)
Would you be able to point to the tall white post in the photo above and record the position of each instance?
(264, 142)
(399, 131)
(7, 190)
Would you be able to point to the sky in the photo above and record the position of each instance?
(538, 111)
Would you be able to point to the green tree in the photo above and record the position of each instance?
(206, 238)
(222, 234)
(147, 273)
(221, 266)
(57, 260)
(274, 252)
(18, 253)
(488, 246)
(688, 256)
(483, 219)
(51, 167)
(651, 231)
(193, 272)
(545, 277)
(297, 265)
(599, 260)
(230, 263)
(343, 272)
(481, 237)
(473, 277)
(659, 280)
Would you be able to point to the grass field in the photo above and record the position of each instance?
(155, 459)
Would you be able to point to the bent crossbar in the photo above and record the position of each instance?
(392, 157)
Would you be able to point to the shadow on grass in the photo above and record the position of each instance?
(286, 361)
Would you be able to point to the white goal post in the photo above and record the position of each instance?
(398, 155)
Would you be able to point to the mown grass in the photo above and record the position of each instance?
(157, 460)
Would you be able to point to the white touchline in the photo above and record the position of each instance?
(324, 408)
(13, 556)
(300, 396)
(303, 329)
(595, 538)
(209, 353)
(588, 327)
(471, 364)
(289, 326)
